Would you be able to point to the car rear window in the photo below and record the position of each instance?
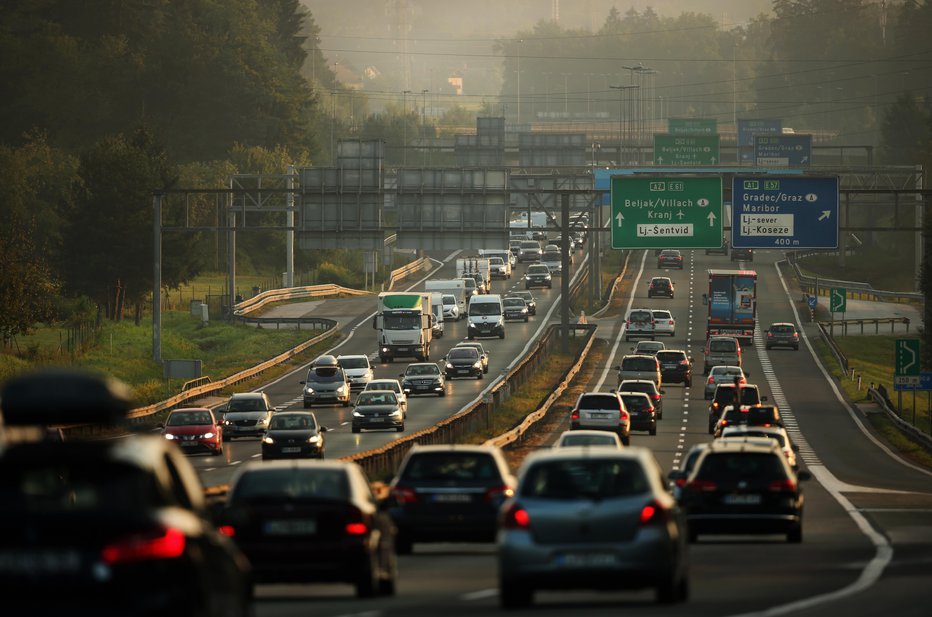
(725, 346)
(294, 483)
(598, 401)
(608, 439)
(450, 467)
(749, 396)
(641, 317)
(671, 356)
(635, 402)
(736, 466)
(584, 479)
(782, 329)
(638, 364)
(354, 362)
(775, 436)
(647, 387)
(662, 315)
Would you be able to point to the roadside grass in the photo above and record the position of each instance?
(881, 268)
(526, 399)
(871, 358)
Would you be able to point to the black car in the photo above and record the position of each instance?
(109, 526)
(293, 434)
(782, 335)
(528, 300)
(742, 254)
(742, 488)
(748, 415)
(675, 367)
(670, 258)
(378, 409)
(725, 395)
(660, 286)
(642, 412)
(538, 275)
(423, 378)
(449, 493)
(649, 388)
(463, 362)
(311, 521)
(515, 308)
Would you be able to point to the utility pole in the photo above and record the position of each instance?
(404, 127)
(622, 116)
(424, 125)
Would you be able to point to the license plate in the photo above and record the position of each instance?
(39, 562)
(453, 498)
(402, 349)
(741, 500)
(293, 527)
(600, 416)
(463, 371)
(376, 419)
(291, 450)
(188, 444)
(587, 560)
(670, 367)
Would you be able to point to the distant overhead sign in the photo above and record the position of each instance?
(784, 212)
(666, 212)
(692, 126)
(748, 128)
(686, 150)
(792, 150)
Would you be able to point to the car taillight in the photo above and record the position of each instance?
(622, 415)
(710, 382)
(498, 494)
(715, 405)
(163, 543)
(795, 335)
(769, 334)
(356, 529)
(652, 513)
(684, 362)
(702, 486)
(782, 486)
(404, 494)
(227, 530)
(516, 518)
(574, 415)
(655, 397)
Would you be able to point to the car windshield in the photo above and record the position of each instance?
(292, 422)
(246, 404)
(325, 374)
(423, 369)
(551, 256)
(360, 362)
(538, 269)
(598, 401)
(376, 397)
(530, 245)
(496, 261)
(463, 353)
(383, 385)
(484, 308)
(638, 364)
(189, 418)
(449, 300)
(402, 322)
(646, 387)
(291, 483)
(591, 478)
(513, 302)
(450, 467)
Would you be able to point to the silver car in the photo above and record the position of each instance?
(591, 519)
(246, 414)
(583, 438)
(723, 374)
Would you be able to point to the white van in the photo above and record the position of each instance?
(486, 316)
(436, 308)
(457, 287)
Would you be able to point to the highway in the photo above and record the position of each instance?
(867, 545)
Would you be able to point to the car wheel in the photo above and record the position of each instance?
(346, 403)
(218, 451)
(626, 440)
(795, 535)
(485, 370)
(652, 430)
(688, 383)
(525, 319)
(443, 392)
(225, 438)
(711, 427)
(692, 535)
(673, 590)
(796, 348)
(512, 595)
(367, 583)
(479, 375)
(470, 337)
(400, 429)
(502, 335)
(355, 429)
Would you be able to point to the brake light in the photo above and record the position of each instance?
(404, 494)
(795, 335)
(782, 486)
(498, 493)
(227, 530)
(702, 486)
(574, 415)
(161, 544)
(655, 397)
(770, 335)
(684, 362)
(356, 529)
(715, 405)
(516, 518)
(710, 382)
(651, 513)
(622, 415)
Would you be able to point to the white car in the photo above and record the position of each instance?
(357, 369)
(776, 433)
(588, 438)
(664, 323)
(451, 310)
(390, 384)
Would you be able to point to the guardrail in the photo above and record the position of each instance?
(887, 406)
(856, 290)
(833, 346)
(315, 323)
(292, 293)
(844, 323)
(405, 271)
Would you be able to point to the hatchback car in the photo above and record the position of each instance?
(649, 388)
(585, 438)
(463, 362)
(553, 260)
(648, 348)
(776, 433)
(529, 251)
(724, 374)
(390, 384)
(451, 309)
(246, 414)
(311, 521)
(639, 324)
(740, 488)
(725, 394)
(591, 519)
(639, 366)
(423, 378)
(748, 415)
(782, 335)
(357, 369)
(670, 258)
(194, 430)
(514, 309)
(105, 526)
(528, 298)
(378, 409)
(675, 366)
(538, 275)
(641, 410)
(449, 493)
(483, 352)
(664, 323)
(721, 350)
(660, 286)
(604, 411)
(293, 434)
(326, 383)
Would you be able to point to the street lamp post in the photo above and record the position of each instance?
(621, 115)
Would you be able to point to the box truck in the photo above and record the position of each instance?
(732, 302)
(457, 287)
(404, 323)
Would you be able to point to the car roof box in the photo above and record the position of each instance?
(61, 396)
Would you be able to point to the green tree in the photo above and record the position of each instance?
(906, 136)
(28, 288)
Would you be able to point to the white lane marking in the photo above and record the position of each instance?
(621, 332)
(479, 595)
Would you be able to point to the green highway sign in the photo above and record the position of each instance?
(674, 150)
(907, 371)
(692, 126)
(838, 300)
(666, 212)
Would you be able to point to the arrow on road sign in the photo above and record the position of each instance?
(825, 214)
(619, 218)
(711, 218)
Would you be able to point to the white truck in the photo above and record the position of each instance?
(508, 259)
(457, 287)
(436, 309)
(404, 322)
(477, 268)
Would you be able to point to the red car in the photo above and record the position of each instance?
(194, 429)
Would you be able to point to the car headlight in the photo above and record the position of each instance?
(262, 421)
(524, 310)
(313, 439)
(356, 414)
(478, 364)
(309, 390)
(547, 277)
(227, 422)
(207, 436)
(342, 389)
(396, 412)
(169, 436)
(471, 325)
(449, 366)
(268, 440)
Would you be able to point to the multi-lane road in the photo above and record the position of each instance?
(867, 545)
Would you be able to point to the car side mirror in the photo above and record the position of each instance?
(323, 429)
(161, 425)
(302, 382)
(618, 368)
(802, 476)
(795, 448)
(662, 391)
(747, 375)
